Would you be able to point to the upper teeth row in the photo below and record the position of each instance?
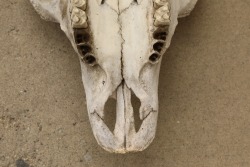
(162, 14)
(78, 15)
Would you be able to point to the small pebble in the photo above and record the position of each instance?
(21, 163)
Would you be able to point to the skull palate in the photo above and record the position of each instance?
(125, 136)
(120, 43)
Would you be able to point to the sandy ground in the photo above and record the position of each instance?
(204, 93)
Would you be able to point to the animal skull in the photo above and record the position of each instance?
(120, 44)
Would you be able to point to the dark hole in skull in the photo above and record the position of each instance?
(136, 103)
(81, 37)
(110, 114)
(90, 59)
(158, 46)
(84, 49)
(154, 57)
(160, 35)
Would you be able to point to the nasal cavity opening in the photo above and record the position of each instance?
(136, 103)
(110, 114)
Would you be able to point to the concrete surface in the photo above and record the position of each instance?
(204, 94)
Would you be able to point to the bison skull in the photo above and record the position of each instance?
(120, 44)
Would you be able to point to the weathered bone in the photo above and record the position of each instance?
(120, 44)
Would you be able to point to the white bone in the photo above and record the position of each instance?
(113, 4)
(126, 39)
(124, 4)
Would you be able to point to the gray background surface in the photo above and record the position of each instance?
(204, 93)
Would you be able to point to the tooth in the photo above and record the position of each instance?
(78, 18)
(79, 3)
(162, 16)
(159, 3)
(75, 19)
(165, 17)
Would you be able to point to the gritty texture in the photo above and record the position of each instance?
(204, 94)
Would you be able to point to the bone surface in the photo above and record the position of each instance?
(120, 44)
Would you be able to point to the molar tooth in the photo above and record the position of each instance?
(79, 3)
(162, 16)
(79, 18)
(75, 19)
(159, 3)
(75, 10)
(161, 22)
(166, 16)
(165, 8)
